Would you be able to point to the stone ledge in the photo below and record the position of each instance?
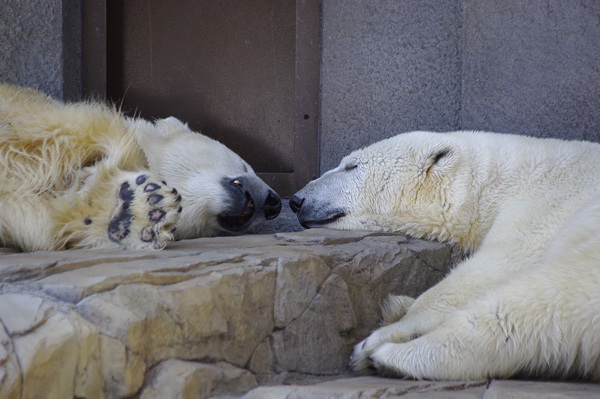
(230, 312)
(378, 387)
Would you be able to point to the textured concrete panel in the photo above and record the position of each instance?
(40, 46)
(387, 67)
(532, 67)
(32, 46)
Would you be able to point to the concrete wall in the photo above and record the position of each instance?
(41, 45)
(532, 67)
(387, 67)
(508, 66)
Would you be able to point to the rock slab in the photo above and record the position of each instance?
(206, 317)
(379, 388)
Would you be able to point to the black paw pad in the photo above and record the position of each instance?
(126, 194)
(119, 226)
(154, 199)
(140, 180)
(151, 187)
(87, 221)
(174, 191)
(179, 209)
(148, 234)
(178, 199)
(156, 215)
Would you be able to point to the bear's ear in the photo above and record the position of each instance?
(170, 126)
(438, 160)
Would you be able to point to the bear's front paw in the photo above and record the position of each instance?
(360, 361)
(361, 358)
(387, 359)
(146, 214)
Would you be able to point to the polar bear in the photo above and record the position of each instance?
(526, 301)
(83, 175)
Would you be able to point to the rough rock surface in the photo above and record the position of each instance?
(214, 316)
(379, 388)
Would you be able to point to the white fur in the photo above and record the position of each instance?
(527, 299)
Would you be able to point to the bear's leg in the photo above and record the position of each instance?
(472, 279)
(393, 309)
(415, 318)
(543, 322)
(494, 336)
(427, 313)
(131, 209)
(396, 332)
(459, 350)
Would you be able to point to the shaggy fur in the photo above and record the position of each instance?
(527, 211)
(82, 175)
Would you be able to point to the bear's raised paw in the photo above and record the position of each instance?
(146, 213)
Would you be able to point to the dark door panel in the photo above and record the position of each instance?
(242, 72)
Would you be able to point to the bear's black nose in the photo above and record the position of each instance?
(272, 206)
(296, 203)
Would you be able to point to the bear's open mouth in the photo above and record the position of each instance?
(237, 221)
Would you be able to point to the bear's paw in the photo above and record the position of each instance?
(146, 213)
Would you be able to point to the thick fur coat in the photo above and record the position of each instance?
(82, 175)
(526, 301)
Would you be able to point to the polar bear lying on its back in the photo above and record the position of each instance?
(527, 300)
(82, 175)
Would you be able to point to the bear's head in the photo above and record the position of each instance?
(411, 183)
(220, 191)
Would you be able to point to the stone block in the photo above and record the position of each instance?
(286, 307)
(176, 379)
(21, 313)
(10, 371)
(123, 371)
(373, 388)
(316, 343)
(48, 357)
(296, 284)
(515, 389)
(89, 381)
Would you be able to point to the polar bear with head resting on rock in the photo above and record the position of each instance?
(526, 301)
(82, 175)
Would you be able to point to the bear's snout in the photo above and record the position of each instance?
(312, 214)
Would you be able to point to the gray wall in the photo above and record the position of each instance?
(387, 67)
(532, 67)
(391, 66)
(41, 45)
(508, 66)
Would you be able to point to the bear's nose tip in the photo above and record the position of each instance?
(296, 203)
(272, 206)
